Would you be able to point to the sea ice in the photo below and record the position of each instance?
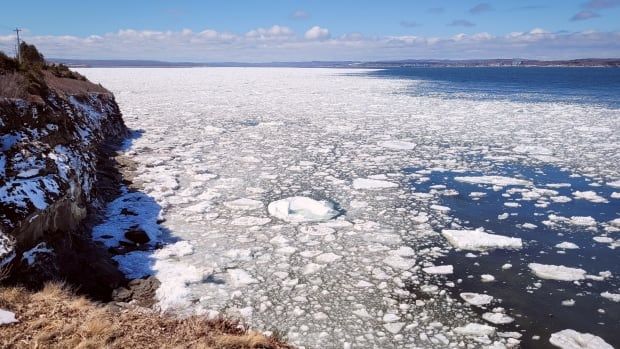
(475, 330)
(326, 258)
(565, 245)
(487, 278)
(614, 184)
(497, 318)
(590, 196)
(244, 204)
(240, 278)
(571, 339)
(477, 299)
(398, 262)
(326, 124)
(370, 184)
(439, 269)
(250, 221)
(397, 145)
(557, 272)
(615, 297)
(302, 209)
(476, 240)
(494, 180)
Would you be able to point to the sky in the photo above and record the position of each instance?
(307, 30)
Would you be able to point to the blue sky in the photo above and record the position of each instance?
(310, 30)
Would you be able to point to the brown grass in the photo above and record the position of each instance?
(56, 318)
(71, 86)
(13, 85)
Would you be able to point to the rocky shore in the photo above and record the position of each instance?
(56, 144)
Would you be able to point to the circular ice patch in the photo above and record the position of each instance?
(302, 209)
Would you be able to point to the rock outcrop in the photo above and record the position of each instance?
(52, 144)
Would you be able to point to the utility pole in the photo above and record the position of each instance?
(19, 53)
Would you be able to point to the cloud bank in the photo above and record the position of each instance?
(280, 43)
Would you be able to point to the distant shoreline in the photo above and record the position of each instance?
(483, 63)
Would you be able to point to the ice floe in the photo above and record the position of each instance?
(475, 330)
(372, 184)
(439, 269)
(557, 272)
(497, 318)
(565, 245)
(615, 297)
(477, 299)
(494, 180)
(476, 240)
(302, 209)
(244, 204)
(590, 196)
(571, 339)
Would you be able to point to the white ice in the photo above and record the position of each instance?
(589, 196)
(565, 245)
(614, 297)
(571, 339)
(497, 318)
(439, 269)
(302, 209)
(557, 272)
(477, 299)
(494, 180)
(370, 184)
(476, 240)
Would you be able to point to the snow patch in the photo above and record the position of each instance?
(7, 317)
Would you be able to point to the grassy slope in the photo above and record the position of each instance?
(55, 317)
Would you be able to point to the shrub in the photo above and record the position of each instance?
(30, 56)
(7, 63)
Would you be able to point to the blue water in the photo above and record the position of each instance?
(596, 86)
(538, 312)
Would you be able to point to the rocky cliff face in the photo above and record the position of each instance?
(51, 146)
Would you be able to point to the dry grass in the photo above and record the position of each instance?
(71, 86)
(13, 85)
(56, 318)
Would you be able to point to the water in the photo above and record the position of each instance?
(597, 86)
(539, 309)
(211, 136)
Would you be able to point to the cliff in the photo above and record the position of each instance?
(56, 128)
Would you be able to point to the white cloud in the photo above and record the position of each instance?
(317, 33)
(274, 32)
(300, 14)
(279, 43)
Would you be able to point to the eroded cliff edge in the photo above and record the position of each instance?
(57, 133)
